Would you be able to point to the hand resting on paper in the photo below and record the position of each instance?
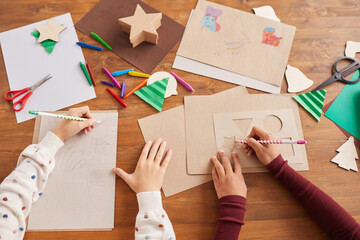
(68, 128)
(265, 152)
(226, 180)
(150, 169)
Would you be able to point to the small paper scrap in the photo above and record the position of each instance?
(297, 81)
(266, 12)
(352, 48)
(346, 155)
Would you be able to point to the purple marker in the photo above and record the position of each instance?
(123, 89)
(117, 84)
(122, 72)
(188, 87)
(108, 83)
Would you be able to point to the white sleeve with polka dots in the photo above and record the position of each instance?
(152, 221)
(25, 184)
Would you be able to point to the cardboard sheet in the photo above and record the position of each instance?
(27, 62)
(233, 126)
(238, 41)
(82, 179)
(200, 135)
(103, 20)
(170, 126)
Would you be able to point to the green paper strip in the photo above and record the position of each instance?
(313, 102)
(47, 44)
(345, 110)
(154, 93)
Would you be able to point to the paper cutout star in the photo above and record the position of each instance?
(142, 26)
(50, 30)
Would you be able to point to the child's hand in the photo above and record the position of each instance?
(150, 170)
(265, 152)
(68, 128)
(226, 181)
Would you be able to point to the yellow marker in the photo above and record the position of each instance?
(137, 74)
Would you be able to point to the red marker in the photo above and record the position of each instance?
(122, 103)
(91, 73)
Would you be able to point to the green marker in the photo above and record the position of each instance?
(83, 68)
(60, 116)
(97, 38)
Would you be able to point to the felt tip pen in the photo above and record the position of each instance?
(188, 87)
(138, 74)
(81, 44)
(276, 141)
(83, 68)
(60, 116)
(117, 84)
(122, 103)
(123, 85)
(90, 73)
(97, 38)
(122, 72)
(140, 85)
(108, 83)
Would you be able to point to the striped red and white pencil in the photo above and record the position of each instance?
(276, 141)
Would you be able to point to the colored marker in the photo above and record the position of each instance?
(138, 74)
(112, 78)
(108, 83)
(91, 73)
(136, 88)
(276, 141)
(123, 89)
(97, 38)
(83, 68)
(60, 116)
(81, 44)
(188, 87)
(122, 103)
(118, 73)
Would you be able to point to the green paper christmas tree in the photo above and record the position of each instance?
(313, 102)
(47, 44)
(154, 93)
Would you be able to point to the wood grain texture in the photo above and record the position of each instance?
(323, 27)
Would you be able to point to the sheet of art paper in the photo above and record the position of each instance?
(238, 41)
(103, 20)
(199, 112)
(82, 179)
(170, 126)
(233, 126)
(266, 12)
(26, 63)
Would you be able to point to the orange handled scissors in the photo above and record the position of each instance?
(19, 105)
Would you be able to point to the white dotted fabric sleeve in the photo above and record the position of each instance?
(25, 184)
(152, 221)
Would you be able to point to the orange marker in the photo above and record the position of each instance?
(91, 73)
(136, 88)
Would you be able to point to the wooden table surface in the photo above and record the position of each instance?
(323, 27)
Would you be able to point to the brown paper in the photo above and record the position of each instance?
(200, 135)
(236, 44)
(103, 20)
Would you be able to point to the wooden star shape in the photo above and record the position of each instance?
(141, 26)
(50, 30)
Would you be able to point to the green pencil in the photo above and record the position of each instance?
(97, 38)
(83, 68)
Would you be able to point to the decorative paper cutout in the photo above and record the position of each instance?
(297, 81)
(346, 155)
(313, 102)
(352, 48)
(266, 12)
(269, 37)
(172, 83)
(154, 93)
(209, 21)
(47, 44)
(50, 30)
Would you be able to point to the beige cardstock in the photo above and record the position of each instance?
(200, 133)
(172, 83)
(50, 30)
(346, 155)
(297, 81)
(237, 125)
(352, 48)
(238, 41)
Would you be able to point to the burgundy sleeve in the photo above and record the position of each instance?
(231, 217)
(327, 213)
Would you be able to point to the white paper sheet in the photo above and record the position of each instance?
(27, 62)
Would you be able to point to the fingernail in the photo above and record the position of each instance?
(164, 142)
(233, 152)
(213, 157)
(221, 151)
(160, 139)
(149, 142)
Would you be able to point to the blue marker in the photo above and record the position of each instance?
(123, 89)
(108, 83)
(81, 44)
(122, 72)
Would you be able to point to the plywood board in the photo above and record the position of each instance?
(233, 126)
(81, 179)
(238, 41)
(200, 134)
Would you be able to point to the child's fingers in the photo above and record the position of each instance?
(144, 152)
(166, 160)
(160, 153)
(122, 174)
(219, 168)
(154, 149)
(255, 145)
(262, 134)
(215, 176)
(226, 162)
(237, 165)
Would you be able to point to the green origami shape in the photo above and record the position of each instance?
(47, 44)
(154, 93)
(313, 102)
